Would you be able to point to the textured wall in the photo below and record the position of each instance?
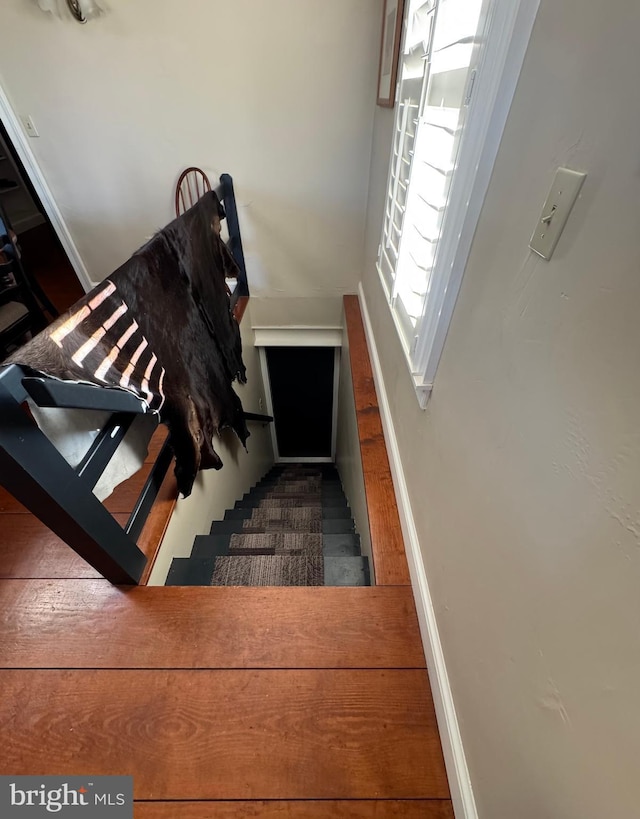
(279, 94)
(524, 471)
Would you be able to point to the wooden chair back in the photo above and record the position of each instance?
(192, 184)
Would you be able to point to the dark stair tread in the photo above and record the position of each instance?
(337, 526)
(346, 544)
(333, 512)
(329, 526)
(190, 571)
(210, 545)
(346, 571)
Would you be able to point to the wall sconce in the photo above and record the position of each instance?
(81, 10)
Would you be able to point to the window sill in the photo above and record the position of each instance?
(422, 390)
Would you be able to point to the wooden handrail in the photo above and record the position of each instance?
(387, 545)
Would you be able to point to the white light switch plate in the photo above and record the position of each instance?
(29, 125)
(564, 192)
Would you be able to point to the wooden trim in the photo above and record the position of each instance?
(156, 524)
(180, 199)
(389, 102)
(345, 809)
(387, 545)
(298, 336)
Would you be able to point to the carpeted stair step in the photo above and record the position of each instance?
(322, 482)
(290, 487)
(269, 570)
(326, 512)
(265, 519)
(270, 480)
(278, 493)
(328, 526)
(344, 545)
(294, 528)
(251, 501)
(276, 543)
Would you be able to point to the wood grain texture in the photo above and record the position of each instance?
(156, 443)
(29, 549)
(331, 809)
(315, 734)
(387, 545)
(92, 624)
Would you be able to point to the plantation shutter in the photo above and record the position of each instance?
(439, 55)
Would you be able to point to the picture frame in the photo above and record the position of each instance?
(392, 17)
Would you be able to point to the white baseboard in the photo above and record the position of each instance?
(459, 783)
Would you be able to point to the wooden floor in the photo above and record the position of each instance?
(222, 703)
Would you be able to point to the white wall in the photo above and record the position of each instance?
(348, 456)
(524, 471)
(279, 94)
(215, 491)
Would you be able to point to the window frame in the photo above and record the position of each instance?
(507, 32)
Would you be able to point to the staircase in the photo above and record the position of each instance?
(294, 528)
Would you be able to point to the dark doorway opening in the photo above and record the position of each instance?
(42, 254)
(302, 384)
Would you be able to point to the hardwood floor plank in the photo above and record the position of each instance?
(330, 809)
(92, 624)
(29, 549)
(229, 734)
(389, 557)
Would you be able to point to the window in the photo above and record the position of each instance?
(458, 68)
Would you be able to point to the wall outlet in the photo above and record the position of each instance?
(260, 404)
(29, 125)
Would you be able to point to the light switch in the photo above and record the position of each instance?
(29, 125)
(564, 192)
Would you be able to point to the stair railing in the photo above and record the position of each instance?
(61, 496)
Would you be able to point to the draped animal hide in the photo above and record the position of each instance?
(161, 326)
